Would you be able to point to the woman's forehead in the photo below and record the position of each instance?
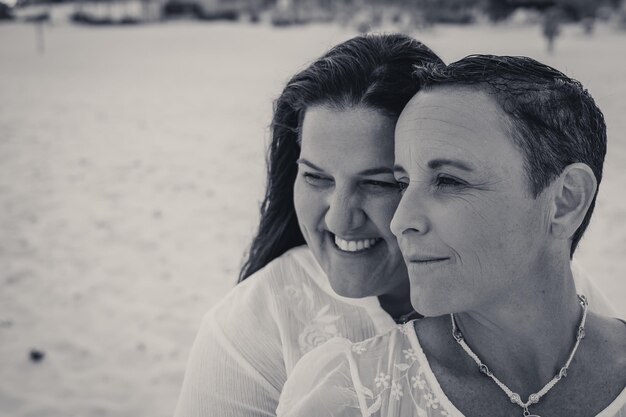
(455, 123)
(353, 138)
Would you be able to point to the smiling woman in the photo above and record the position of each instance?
(345, 204)
(330, 184)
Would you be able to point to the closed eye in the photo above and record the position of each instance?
(317, 180)
(381, 184)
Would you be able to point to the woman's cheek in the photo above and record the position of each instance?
(299, 197)
(307, 201)
(386, 205)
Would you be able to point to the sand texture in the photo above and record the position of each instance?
(131, 166)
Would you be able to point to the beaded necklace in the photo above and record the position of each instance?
(513, 396)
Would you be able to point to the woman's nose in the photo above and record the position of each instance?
(410, 216)
(345, 212)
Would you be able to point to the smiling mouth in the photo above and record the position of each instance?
(355, 246)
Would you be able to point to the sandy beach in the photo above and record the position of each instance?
(131, 168)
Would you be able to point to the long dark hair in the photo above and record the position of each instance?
(373, 71)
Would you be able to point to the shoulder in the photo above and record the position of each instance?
(252, 303)
(282, 300)
(263, 286)
(607, 343)
(248, 328)
(602, 359)
(292, 266)
(609, 334)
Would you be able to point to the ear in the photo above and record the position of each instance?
(573, 190)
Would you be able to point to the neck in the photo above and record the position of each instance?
(397, 304)
(525, 339)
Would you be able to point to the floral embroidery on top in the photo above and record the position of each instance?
(409, 354)
(319, 326)
(417, 382)
(406, 381)
(396, 390)
(431, 400)
(358, 348)
(382, 380)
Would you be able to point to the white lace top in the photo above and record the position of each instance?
(249, 343)
(386, 376)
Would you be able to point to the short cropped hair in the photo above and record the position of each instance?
(552, 118)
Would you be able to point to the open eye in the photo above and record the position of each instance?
(317, 180)
(446, 181)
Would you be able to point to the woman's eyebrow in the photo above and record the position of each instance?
(308, 163)
(438, 163)
(398, 169)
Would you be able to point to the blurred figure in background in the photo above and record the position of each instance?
(551, 26)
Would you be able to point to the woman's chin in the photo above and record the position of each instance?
(352, 289)
(428, 308)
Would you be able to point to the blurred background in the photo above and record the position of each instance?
(132, 140)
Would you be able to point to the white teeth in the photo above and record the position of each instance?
(354, 245)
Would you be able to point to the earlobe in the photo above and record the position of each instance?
(573, 193)
(558, 230)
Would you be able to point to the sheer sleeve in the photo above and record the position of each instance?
(321, 384)
(253, 338)
(236, 365)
